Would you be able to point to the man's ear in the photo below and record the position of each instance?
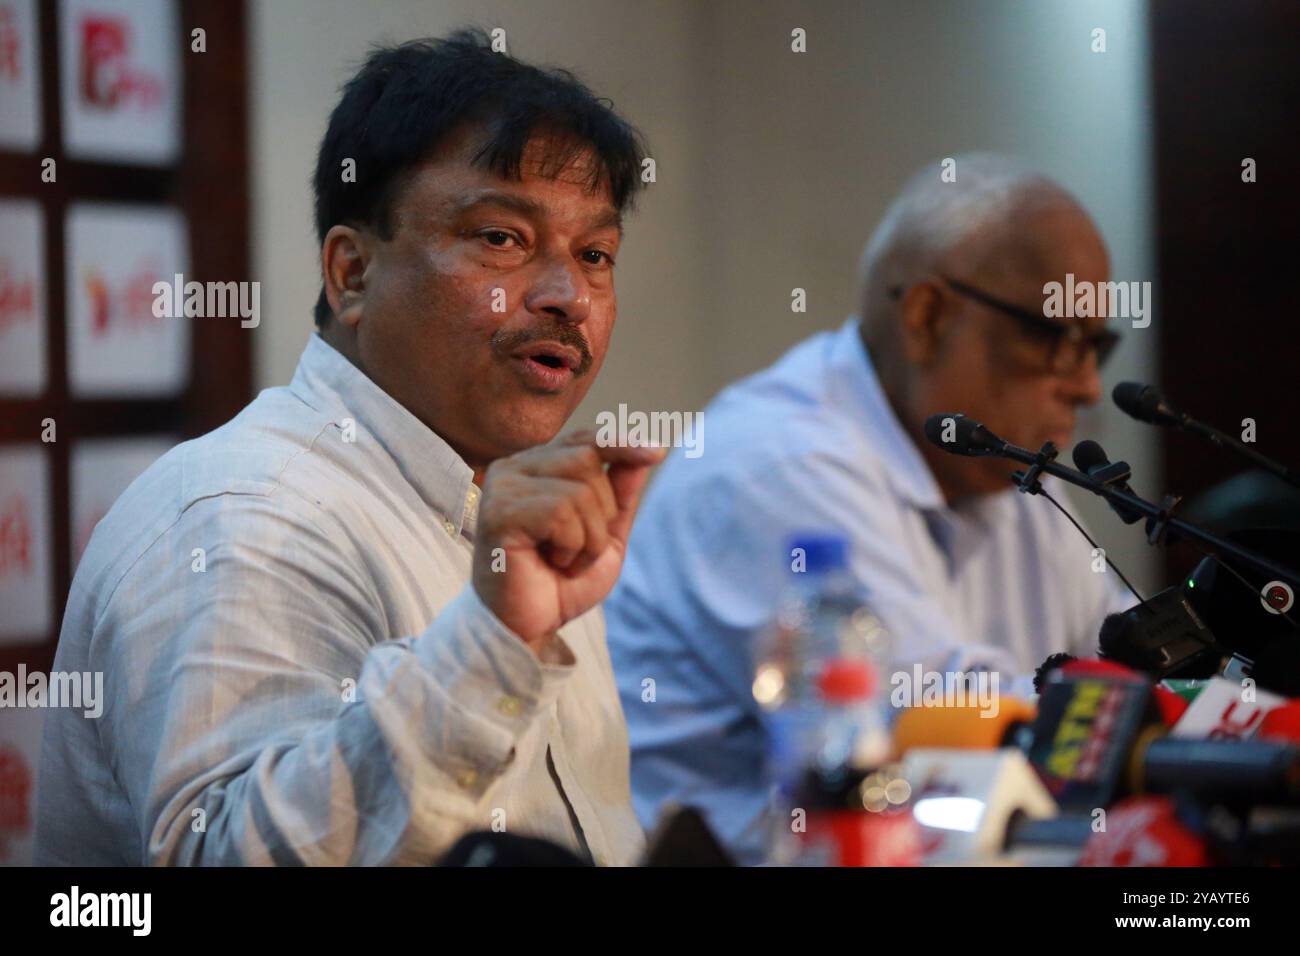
(923, 322)
(344, 256)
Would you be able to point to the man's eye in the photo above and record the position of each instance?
(598, 256)
(497, 237)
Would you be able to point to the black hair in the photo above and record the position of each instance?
(407, 99)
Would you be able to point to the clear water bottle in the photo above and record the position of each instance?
(820, 680)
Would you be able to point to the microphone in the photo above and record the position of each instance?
(1099, 738)
(1146, 831)
(1282, 723)
(1220, 712)
(1166, 635)
(959, 435)
(1059, 659)
(1250, 771)
(1163, 831)
(965, 802)
(963, 728)
(1090, 458)
(1146, 404)
(1162, 637)
(1051, 841)
(955, 433)
(1085, 729)
(1171, 706)
(979, 808)
(967, 728)
(989, 807)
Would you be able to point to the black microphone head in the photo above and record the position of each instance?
(1139, 401)
(1113, 641)
(1090, 458)
(1059, 659)
(1088, 455)
(955, 433)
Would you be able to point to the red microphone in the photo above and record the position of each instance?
(1282, 723)
(1145, 831)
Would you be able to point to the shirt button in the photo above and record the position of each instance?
(467, 778)
(448, 527)
(510, 706)
(472, 495)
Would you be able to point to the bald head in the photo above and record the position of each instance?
(1003, 231)
(999, 224)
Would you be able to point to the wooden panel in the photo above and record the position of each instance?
(1227, 87)
(210, 185)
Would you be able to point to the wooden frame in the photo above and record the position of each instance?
(210, 185)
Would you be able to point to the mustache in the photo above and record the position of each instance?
(504, 343)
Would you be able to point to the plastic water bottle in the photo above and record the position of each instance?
(820, 680)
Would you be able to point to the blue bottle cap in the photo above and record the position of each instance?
(821, 551)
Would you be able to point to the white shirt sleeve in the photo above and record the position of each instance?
(258, 715)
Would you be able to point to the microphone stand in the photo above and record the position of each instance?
(1161, 516)
(1221, 440)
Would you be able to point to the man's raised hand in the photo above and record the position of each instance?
(560, 515)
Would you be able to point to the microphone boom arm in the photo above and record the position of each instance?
(1042, 463)
(1222, 440)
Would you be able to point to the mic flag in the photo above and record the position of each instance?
(965, 727)
(1084, 733)
(1145, 831)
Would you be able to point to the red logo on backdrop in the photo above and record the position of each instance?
(15, 792)
(10, 45)
(129, 304)
(17, 298)
(108, 78)
(15, 536)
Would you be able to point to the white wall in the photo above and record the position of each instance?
(772, 166)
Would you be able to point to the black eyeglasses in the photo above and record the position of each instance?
(1065, 346)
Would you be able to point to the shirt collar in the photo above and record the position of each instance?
(907, 472)
(854, 374)
(328, 382)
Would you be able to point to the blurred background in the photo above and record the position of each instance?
(772, 167)
(145, 138)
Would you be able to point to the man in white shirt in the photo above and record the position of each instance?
(362, 619)
(965, 572)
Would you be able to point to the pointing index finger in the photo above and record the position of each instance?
(643, 455)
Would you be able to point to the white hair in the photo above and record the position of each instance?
(932, 221)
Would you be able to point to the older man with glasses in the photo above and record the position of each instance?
(965, 572)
